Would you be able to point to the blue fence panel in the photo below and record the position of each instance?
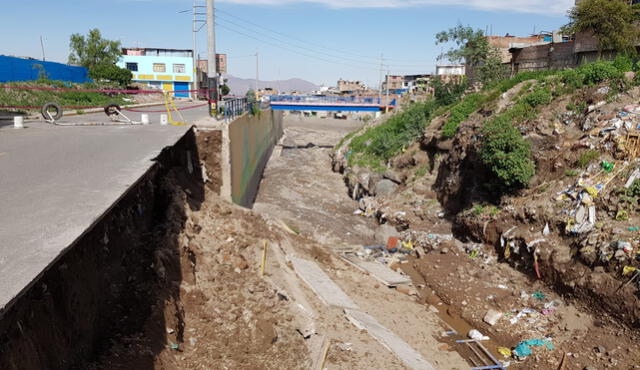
(17, 69)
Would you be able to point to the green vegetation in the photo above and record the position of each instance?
(473, 48)
(479, 210)
(37, 98)
(111, 73)
(539, 96)
(99, 56)
(421, 172)
(571, 173)
(634, 189)
(503, 148)
(587, 157)
(506, 153)
(460, 112)
(448, 93)
(380, 143)
(613, 23)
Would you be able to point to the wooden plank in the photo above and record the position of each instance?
(379, 271)
(321, 284)
(409, 356)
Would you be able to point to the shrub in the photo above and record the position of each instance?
(634, 189)
(572, 78)
(597, 72)
(448, 93)
(506, 153)
(539, 96)
(111, 72)
(623, 63)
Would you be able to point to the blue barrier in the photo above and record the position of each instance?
(18, 69)
(327, 103)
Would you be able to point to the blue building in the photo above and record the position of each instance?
(166, 69)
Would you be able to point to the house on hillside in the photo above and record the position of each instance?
(165, 69)
(350, 87)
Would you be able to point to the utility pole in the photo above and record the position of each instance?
(44, 57)
(257, 72)
(381, 66)
(193, 32)
(386, 100)
(212, 70)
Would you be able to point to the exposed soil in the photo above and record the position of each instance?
(502, 258)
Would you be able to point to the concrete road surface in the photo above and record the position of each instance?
(56, 181)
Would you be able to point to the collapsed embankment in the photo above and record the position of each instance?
(141, 284)
(87, 296)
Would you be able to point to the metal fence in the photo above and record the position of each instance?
(235, 107)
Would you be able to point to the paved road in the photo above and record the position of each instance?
(56, 181)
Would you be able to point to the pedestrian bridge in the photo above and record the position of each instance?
(329, 103)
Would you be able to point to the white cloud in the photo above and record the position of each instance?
(552, 7)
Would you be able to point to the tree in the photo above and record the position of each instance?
(224, 90)
(614, 23)
(251, 96)
(472, 48)
(111, 72)
(93, 50)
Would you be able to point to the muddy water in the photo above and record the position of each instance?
(452, 322)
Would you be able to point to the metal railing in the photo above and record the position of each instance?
(235, 107)
(324, 99)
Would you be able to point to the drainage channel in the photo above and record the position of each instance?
(481, 354)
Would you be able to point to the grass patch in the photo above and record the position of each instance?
(587, 157)
(37, 98)
(571, 173)
(378, 144)
(421, 172)
(460, 112)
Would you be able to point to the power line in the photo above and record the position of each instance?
(292, 50)
(293, 45)
(317, 45)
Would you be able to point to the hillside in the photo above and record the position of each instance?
(537, 174)
(240, 86)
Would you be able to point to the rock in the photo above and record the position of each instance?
(492, 317)
(600, 349)
(397, 177)
(444, 250)
(384, 232)
(406, 290)
(599, 270)
(363, 180)
(629, 76)
(385, 187)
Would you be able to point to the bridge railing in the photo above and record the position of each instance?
(311, 99)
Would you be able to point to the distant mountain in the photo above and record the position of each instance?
(240, 86)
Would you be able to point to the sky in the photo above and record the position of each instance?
(317, 40)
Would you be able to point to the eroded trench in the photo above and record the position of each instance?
(169, 277)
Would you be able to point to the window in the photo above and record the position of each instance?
(133, 67)
(159, 67)
(178, 68)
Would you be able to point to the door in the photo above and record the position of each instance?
(167, 86)
(181, 89)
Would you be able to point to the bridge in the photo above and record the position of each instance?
(329, 103)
